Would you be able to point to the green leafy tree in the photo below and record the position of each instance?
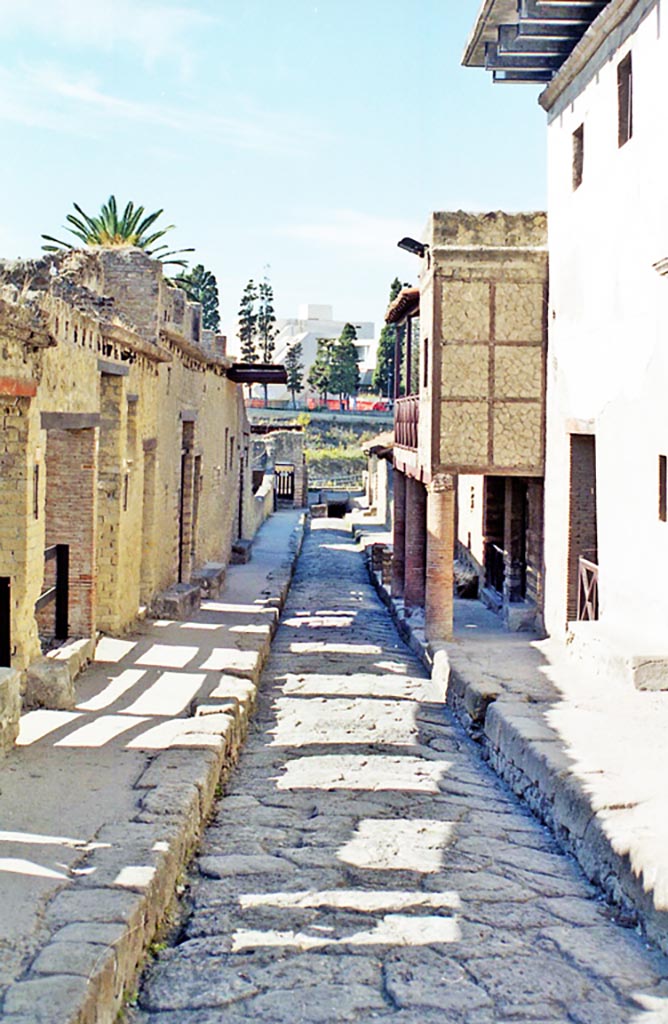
(383, 374)
(345, 373)
(319, 376)
(295, 371)
(201, 286)
(266, 325)
(111, 230)
(247, 332)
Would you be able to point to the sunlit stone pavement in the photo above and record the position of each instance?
(364, 865)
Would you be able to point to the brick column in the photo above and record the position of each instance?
(399, 534)
(71, 517)
(440, 554)
(416, 544)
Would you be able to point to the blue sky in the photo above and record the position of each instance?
(303, 135)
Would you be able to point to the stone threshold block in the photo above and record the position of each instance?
(618, 655)
(210, 579)
(241, 552)
(10, 707)
(178, 602)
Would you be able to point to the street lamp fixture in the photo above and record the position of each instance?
(413, 246)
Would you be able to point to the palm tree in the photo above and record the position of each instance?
(109, 230)
(200, 285)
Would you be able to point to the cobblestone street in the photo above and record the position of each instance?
(365, 865)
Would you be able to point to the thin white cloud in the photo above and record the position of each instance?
(155, 30)
(350, 228)
(48, 97)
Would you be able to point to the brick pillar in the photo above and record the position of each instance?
(440, 554)
(301, 484)
(399, 534)
(416, 544)
(71, 517)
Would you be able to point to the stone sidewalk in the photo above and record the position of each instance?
(587, 753)
(101, 807)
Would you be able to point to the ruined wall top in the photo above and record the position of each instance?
(114, 286)
(496, 229)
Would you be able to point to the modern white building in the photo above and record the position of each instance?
(311, 323)
(606, 505)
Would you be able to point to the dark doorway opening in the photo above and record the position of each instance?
(5, 622)
(582, 530)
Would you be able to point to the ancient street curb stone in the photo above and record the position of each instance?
(10, 707)
(101, 930)
(525, 753)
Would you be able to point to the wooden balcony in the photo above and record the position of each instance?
(406, 419)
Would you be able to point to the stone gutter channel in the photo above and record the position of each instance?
(101, 931)
(511, 728)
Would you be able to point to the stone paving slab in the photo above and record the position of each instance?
(102, 806)
(347, 876)
(585, 751)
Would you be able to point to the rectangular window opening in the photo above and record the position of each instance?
(625, 100)
(578, 156)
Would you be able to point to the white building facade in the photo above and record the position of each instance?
(606, 534)
(311, 323)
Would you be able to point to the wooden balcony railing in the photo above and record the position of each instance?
(587, 590)
(406, 419)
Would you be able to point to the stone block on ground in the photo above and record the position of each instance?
(210, 579)
(76, 654)
(49, 685)
(241, 552)
(178, 602)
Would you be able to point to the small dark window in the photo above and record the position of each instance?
(425, 371)
(578, 156)
(35, 492)
(126, 490)
(625, 100)
(663, 490)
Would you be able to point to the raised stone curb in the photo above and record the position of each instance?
(10, 707)
(101, 929)
(528, 755)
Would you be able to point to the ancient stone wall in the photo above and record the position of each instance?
(101, 371)
(286, 448)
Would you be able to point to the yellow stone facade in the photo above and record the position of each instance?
(110, 392)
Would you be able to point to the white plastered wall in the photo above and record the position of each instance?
(608, 343)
